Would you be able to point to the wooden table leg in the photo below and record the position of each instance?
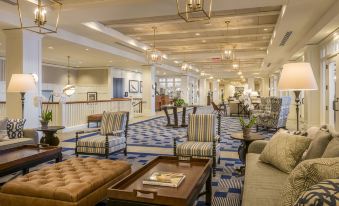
(175, 113)
(195, 110)
(167, 116)
(59, 158)
(25, 171)
(183, 121)
(208, 194)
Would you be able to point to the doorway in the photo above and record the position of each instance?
(331, 77)
(118, 87)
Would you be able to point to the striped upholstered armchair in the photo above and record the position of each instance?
(202, 139)
(110, 138)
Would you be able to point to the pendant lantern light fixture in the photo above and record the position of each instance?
(194, 10)
(153, 55)
(69, 89)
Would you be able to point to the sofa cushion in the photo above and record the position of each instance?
(307, 174)
(325, 193)
(318, 145)
(3, 124)
(284, 151)
(69, 181)
(15, 128)
(263, 183)
(332, 149)
(12, 143)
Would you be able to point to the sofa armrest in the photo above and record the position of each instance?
(33, 134)
(257, 146)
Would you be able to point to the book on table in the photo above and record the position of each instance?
(167, 179)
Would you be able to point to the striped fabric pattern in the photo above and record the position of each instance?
(100, 141)
(199, 149)
(201, 127)
(100, 150)
(113, 121)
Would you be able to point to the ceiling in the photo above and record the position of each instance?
(255, 31)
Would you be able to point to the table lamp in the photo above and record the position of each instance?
(21, 83)
(297, 77)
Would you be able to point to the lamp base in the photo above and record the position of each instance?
(297, 102)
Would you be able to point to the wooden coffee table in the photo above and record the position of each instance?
(130, 191)
(25, 157)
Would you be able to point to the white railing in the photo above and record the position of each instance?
(2, 109)
(73, 114)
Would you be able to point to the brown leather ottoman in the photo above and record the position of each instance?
(94, 118)
(75, 182)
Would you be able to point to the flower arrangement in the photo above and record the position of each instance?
(46, 115)
(246, 127)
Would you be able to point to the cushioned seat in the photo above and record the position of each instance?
(265, 180)
(199, 149)
(71, 181)
(100, 140)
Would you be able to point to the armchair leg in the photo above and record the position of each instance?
(125, 150)
(214, 166)
(218, 160)
(175, 147)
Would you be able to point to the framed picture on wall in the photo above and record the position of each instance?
(133, 86)
(140, 86)
(92, 96)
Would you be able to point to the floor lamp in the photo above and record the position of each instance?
(297, 77)
(21, 83)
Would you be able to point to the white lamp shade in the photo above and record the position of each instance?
(297, 76)
(21, 83)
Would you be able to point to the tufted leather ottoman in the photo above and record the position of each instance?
(78, 181)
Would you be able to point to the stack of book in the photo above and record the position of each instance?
(167, 179)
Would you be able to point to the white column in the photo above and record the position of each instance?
(216, 97)
(250, 82)
(185, 88)
(203, 90)
(265, 87)
(23, 55)
(110, 83)
(148, 95)
(312, 98)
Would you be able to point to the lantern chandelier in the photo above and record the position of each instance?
(37, 21)
(228, 54)
(69, 89)
(188, 67)
(153, 55)
(194, 10)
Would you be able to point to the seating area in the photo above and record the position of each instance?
(174, 103)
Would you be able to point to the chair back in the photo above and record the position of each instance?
(113, 121)
(215, 107)
(201, 127)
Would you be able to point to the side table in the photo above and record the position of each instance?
(245, 142)
(49, 135)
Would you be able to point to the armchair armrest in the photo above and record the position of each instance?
(87, 131)
(117, 132)
(33, 134)
(257, 146)
(217, 138)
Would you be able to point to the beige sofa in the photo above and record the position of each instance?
(30, 137)
(263, 182)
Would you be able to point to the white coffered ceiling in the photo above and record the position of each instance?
(256, 29)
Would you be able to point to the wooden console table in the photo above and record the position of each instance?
(175, 114)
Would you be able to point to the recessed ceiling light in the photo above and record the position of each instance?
(110, 61)
(203, 41)
(164, 73)
(50, 47)
(266, 29)
(197, 34)
(87, 49)
(239, 73)
(176, 61)
(80, 62)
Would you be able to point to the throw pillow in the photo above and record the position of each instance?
(307, 174)
(284, 151)
(325, 193)
(332, 149)
(15, 128)
(318, 145)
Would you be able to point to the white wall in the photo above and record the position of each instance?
(127, 75)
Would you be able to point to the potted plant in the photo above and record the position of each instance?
(46, 115)
(179, 102)
(246, 127)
